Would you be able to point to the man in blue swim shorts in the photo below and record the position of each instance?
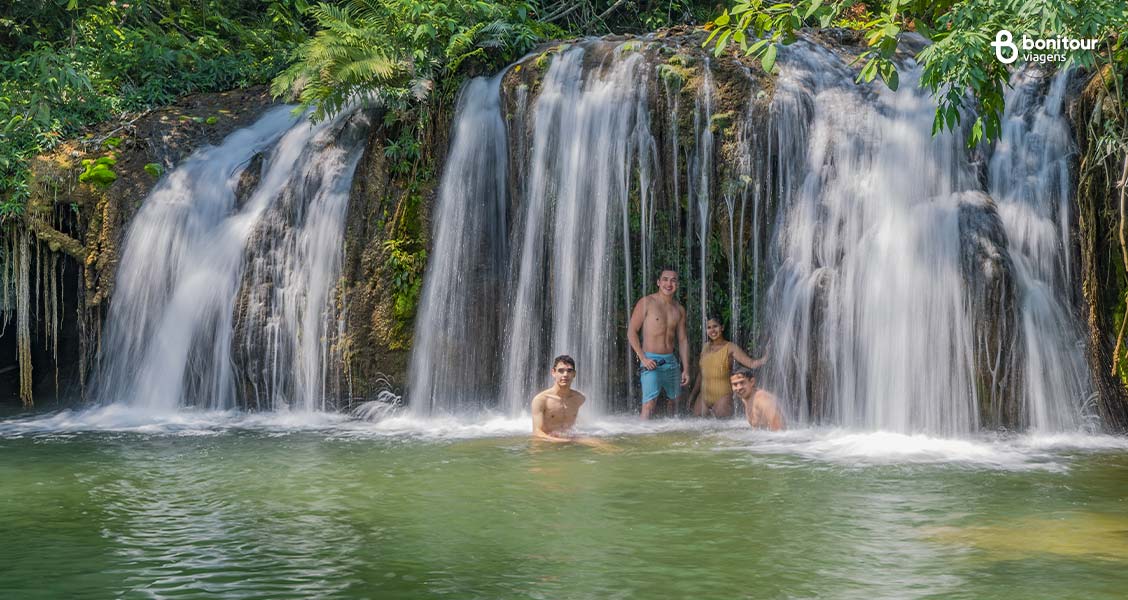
(660, 318)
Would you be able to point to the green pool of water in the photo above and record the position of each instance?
(697, 512)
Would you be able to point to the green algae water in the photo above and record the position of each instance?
(227, 506)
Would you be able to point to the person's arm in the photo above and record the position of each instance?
(694, 395)
(764, 358)
(638, 317)
(683, 347)
(537, 409)
(742, 357)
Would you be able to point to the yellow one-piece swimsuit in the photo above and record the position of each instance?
(716, 367)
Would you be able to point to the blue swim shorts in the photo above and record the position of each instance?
(667, 376)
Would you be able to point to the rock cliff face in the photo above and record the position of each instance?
(1100, 227)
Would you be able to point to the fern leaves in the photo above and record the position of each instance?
(394, 50)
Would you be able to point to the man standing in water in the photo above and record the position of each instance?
(660, 318)
(555, 409)
(761, 407)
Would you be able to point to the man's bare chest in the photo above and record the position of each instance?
(560, 406)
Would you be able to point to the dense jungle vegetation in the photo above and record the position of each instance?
(67, 64)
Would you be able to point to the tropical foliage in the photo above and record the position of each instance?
(66, 64)
(959, 59)
(393, 51)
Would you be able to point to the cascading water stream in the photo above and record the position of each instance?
(700, 188)
(871, 314)
(1029, 177)
(589, 139)
(289, 348)
(454, 362)
(587, 136)
(170, 336)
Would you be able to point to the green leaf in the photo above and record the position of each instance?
(976, 133)
(869, 71)
(712, 35)
(892, 78)
(722, 20)
(722, 42)
(154, 169)
(769, 58)
(812, 9)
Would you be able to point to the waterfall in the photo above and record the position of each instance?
(205, 256)
(700, 180)
(872, 323)
(1030, 180)
(587, 135)
(589, 145)
(904, 282)
(454, 362)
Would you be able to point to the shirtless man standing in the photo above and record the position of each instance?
(660, 318)
(555, 409)
(761, 407)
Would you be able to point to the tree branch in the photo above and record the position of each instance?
(563, 12)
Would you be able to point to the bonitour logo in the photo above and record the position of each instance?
(1007, 51)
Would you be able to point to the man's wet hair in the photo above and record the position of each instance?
(662, 269)
(748, 374)
(564, 358)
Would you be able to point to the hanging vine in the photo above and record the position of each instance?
(22, 256)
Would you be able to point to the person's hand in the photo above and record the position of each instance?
(647, 363)
(685, 376)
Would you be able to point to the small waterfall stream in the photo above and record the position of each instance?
(700, 185)
(871, 317)
(455, 359)
(1030, 180)
(204, 258)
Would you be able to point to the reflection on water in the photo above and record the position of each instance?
(100, 504)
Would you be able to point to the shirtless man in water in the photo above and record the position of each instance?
(555, 409)
(761, 407)
(660, 318)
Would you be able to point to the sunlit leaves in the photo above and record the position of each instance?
(393, 50)
(960, 58)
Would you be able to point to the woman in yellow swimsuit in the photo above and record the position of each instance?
(712, 393)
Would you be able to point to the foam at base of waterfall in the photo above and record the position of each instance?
(815, 446)
(121, 418)
(865, 449)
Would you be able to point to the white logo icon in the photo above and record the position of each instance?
(1004, 39)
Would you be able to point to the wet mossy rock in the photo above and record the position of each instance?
(1104, 277)
(85, 192)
